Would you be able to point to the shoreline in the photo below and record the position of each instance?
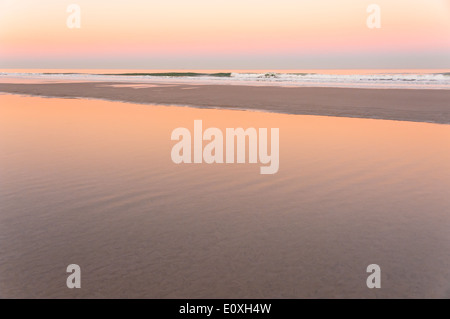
(418, 105)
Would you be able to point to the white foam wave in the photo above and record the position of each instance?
(382, 80)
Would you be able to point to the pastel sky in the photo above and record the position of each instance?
(225, 34)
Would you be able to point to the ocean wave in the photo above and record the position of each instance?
(374, 80)
(173, 74)
(341, 77)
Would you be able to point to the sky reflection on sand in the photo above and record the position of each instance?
(91, 182)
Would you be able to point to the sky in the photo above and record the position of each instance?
(225, 34)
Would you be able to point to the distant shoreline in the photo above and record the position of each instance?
(375, 79)
(417, 105)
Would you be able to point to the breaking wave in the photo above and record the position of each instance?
(377, 80)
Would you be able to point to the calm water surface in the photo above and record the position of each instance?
(92, 183)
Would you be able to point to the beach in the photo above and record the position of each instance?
(225, 155)
(418, 105)
(91, 183)
(87, 178)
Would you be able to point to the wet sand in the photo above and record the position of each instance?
(91, 182)
(392, 104)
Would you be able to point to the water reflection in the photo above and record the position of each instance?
(92, 182)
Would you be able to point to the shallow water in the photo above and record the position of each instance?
(92, 183)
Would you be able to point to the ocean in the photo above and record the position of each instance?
(393, 79)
